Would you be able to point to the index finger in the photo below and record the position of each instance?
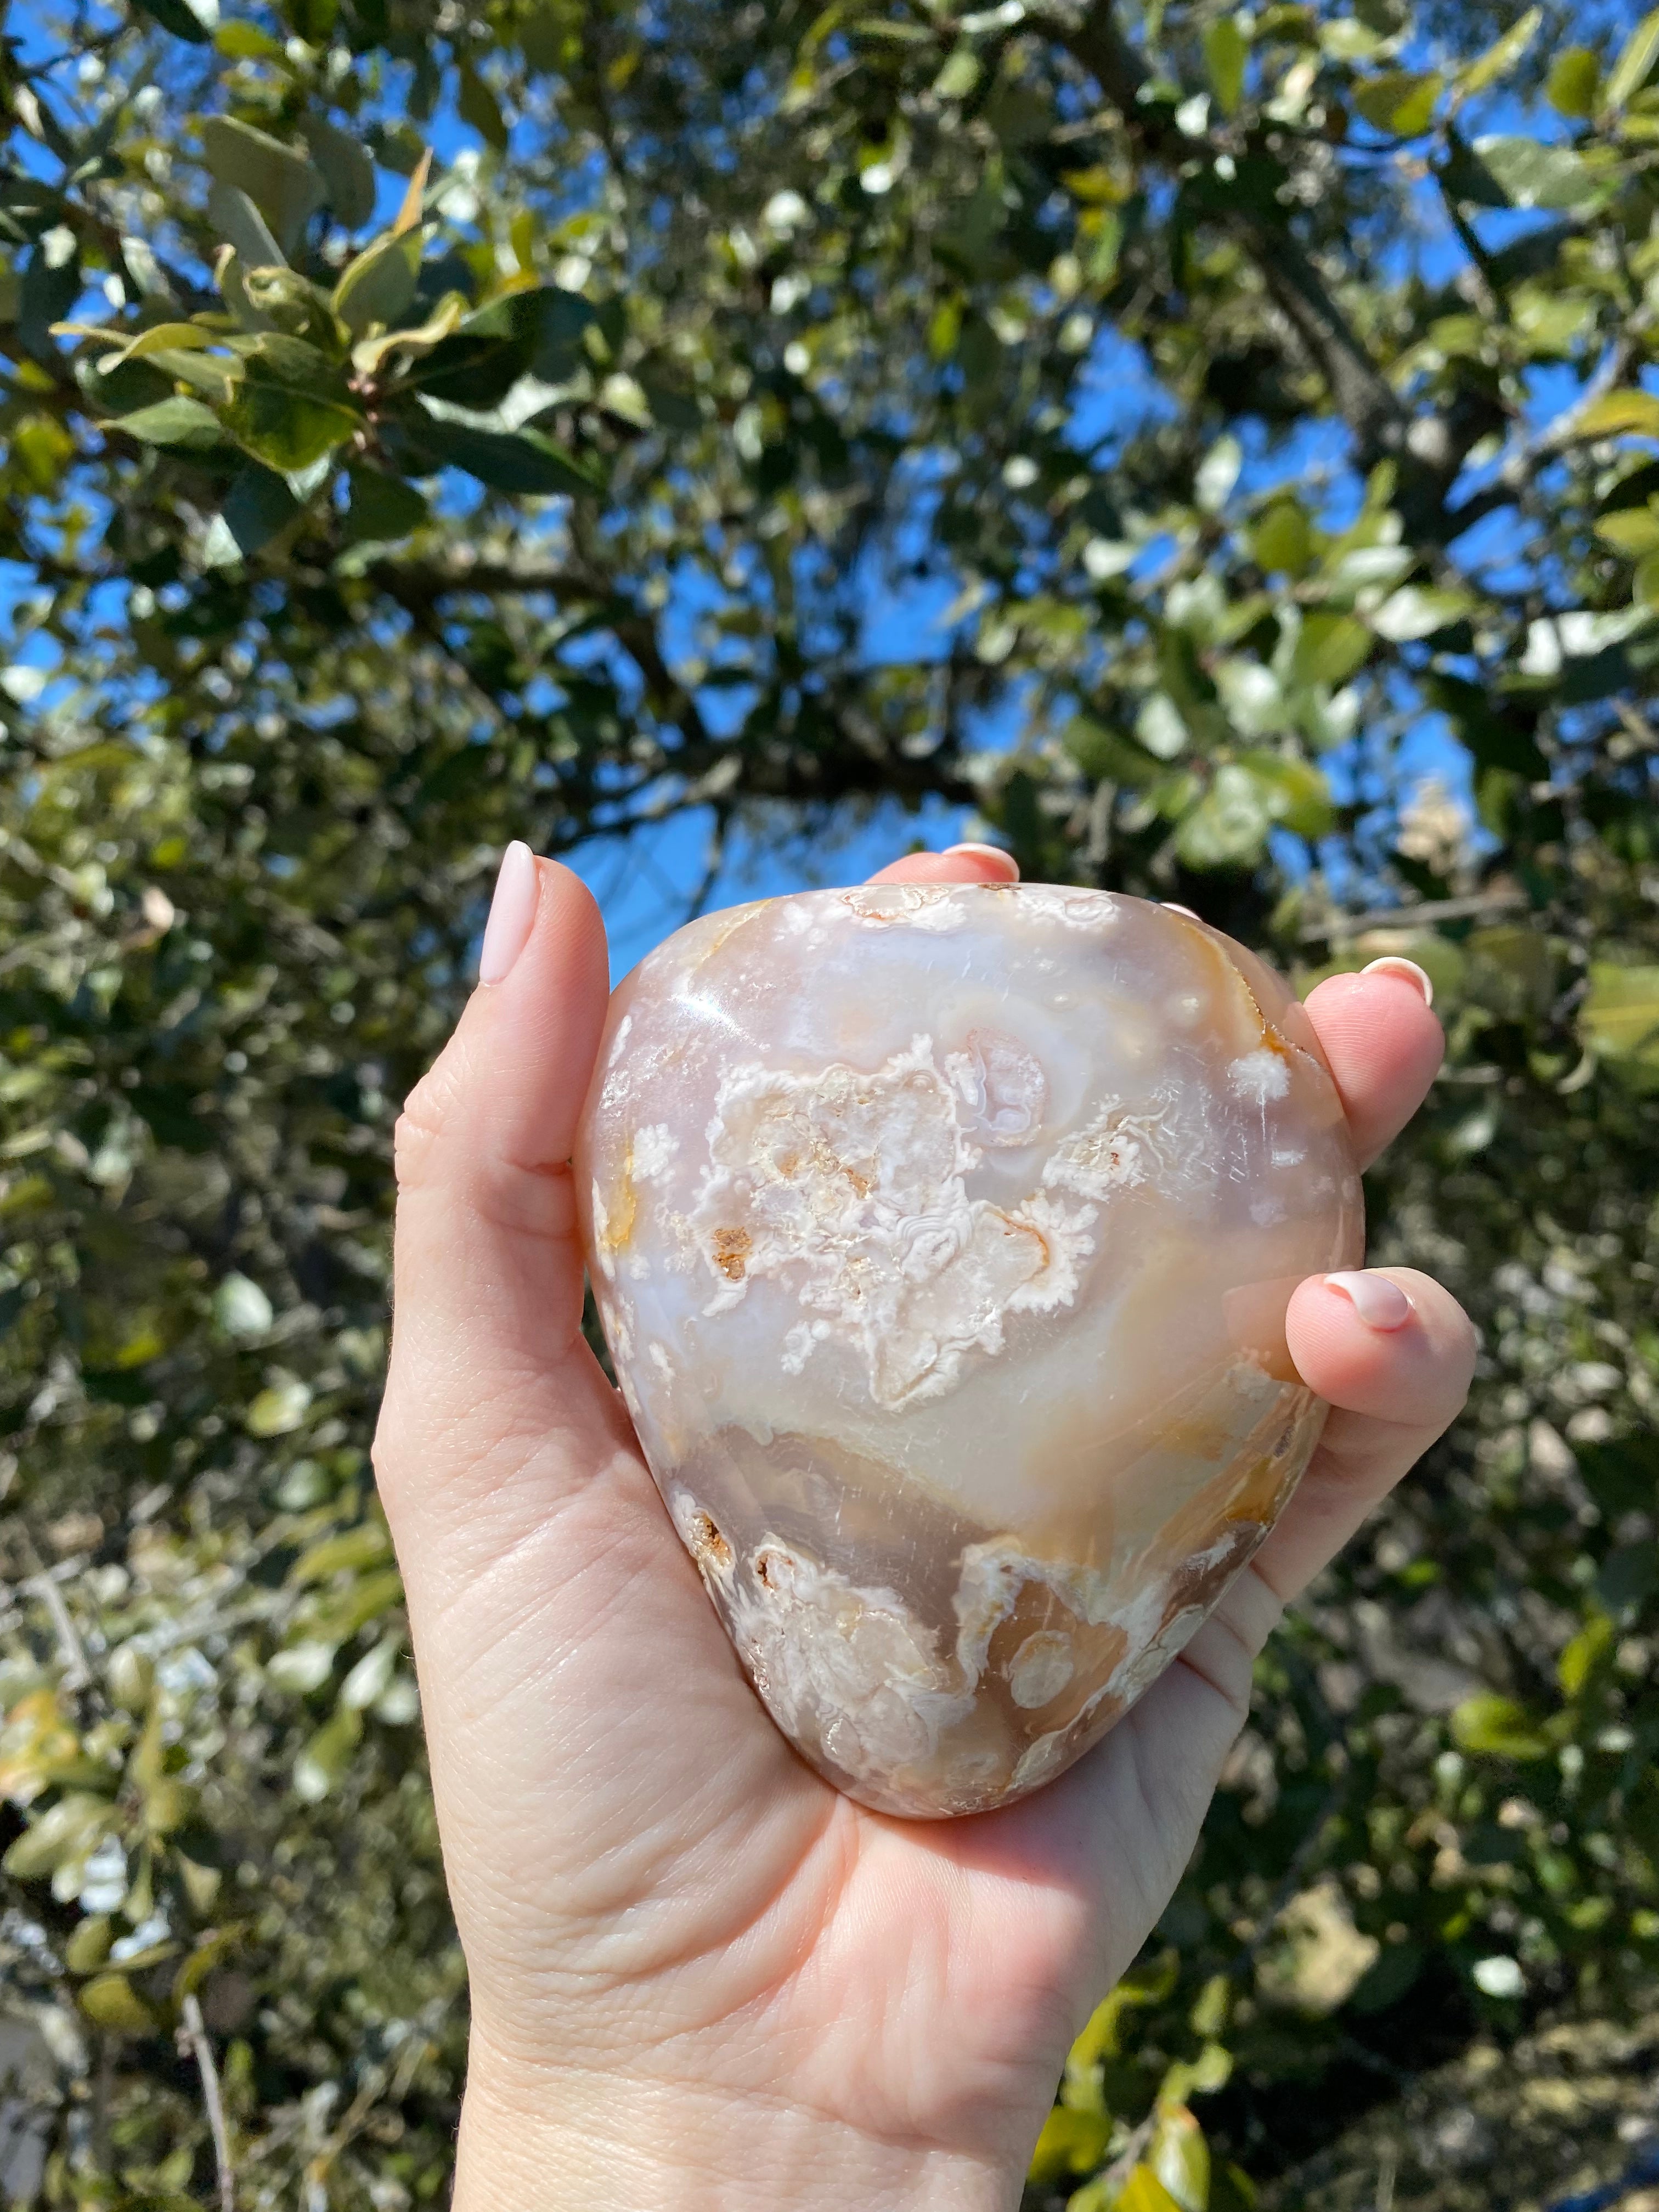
(1384, 1048)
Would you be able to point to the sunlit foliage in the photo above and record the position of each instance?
(428, 425)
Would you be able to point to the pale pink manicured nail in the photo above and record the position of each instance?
(1380, 1302)
(990, 853)
(1392, 964)
(512, 911)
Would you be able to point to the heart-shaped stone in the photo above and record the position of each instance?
(943, 1236)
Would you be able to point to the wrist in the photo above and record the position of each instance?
(554, 2141)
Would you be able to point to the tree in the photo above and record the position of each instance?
(427, 426)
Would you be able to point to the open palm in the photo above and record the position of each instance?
(694, 1964)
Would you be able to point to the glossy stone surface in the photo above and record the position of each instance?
(943, 1237)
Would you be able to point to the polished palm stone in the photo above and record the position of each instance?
(943, 1236)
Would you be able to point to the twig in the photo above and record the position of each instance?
(1385, 2181)
(716, 861)
(1117, 2173)
(1636, 725)
(1409, 917)
(77, 1671)
(194, 2034)
(1523, 458)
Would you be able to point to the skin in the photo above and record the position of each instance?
(699, 1976)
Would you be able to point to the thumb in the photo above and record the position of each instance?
(487, 1267)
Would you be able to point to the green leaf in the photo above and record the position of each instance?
(1329, 649)
(195, 19)
(1071, 2143)
(209, 373)
(1497, 1727)
(241, 1308)
(537, 332)
(89, 1946)
(1105, 756)
(1402, 102)
(1232, 2189)
(1229, 826)
(258, 506)
(959, 75)
(383, 508)
(278, 358)
(1226, 50)
(1417, 610)
(521, 461)
(111, 2001)
(1501, 56)
(1217, 474)
(1573, 82)
(285, 429)
(1346, 39)
(1634, 66)
(1282, 540)
(66, 1833)
(290, 303)
(324, 1761)
(1296, 793)
(246, 42)
(311, 19)
(1619, 1018)
(479, 107)
(159, 338)
(48, 290)
(240, 224)
(182, 423)
(1632, 530)
(1631, 414)
(1580, 1658)
(672, 406)
(279, 179)
(1531, 175)
(347, 169)
(231, 275)
(1144, 2192)
(278, 1411)
(365, 1546)
(379, 285)
(1179, 2157)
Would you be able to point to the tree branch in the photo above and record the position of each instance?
(194, 2034)
(1422, 911)
(1361, 394)
(1524, 460)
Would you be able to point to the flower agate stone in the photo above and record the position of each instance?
(943, 1236)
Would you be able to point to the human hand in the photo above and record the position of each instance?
(699, 1975)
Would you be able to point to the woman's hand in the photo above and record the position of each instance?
(700, 1977)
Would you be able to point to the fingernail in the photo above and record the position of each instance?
(512, 911)
(1392, 964)
(1169, 906)
(1379, 1302)
(1005, 860)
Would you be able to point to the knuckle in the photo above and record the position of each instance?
(418, 1136)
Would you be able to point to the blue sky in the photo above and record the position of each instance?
(646, 885)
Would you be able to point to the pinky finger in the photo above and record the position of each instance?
(1393, 1353)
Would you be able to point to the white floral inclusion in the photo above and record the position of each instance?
(851, 1187)
(1260, 1075)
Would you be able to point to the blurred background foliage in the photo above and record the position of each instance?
(1216, 451)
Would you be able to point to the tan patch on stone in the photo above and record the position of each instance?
(731, 1248)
